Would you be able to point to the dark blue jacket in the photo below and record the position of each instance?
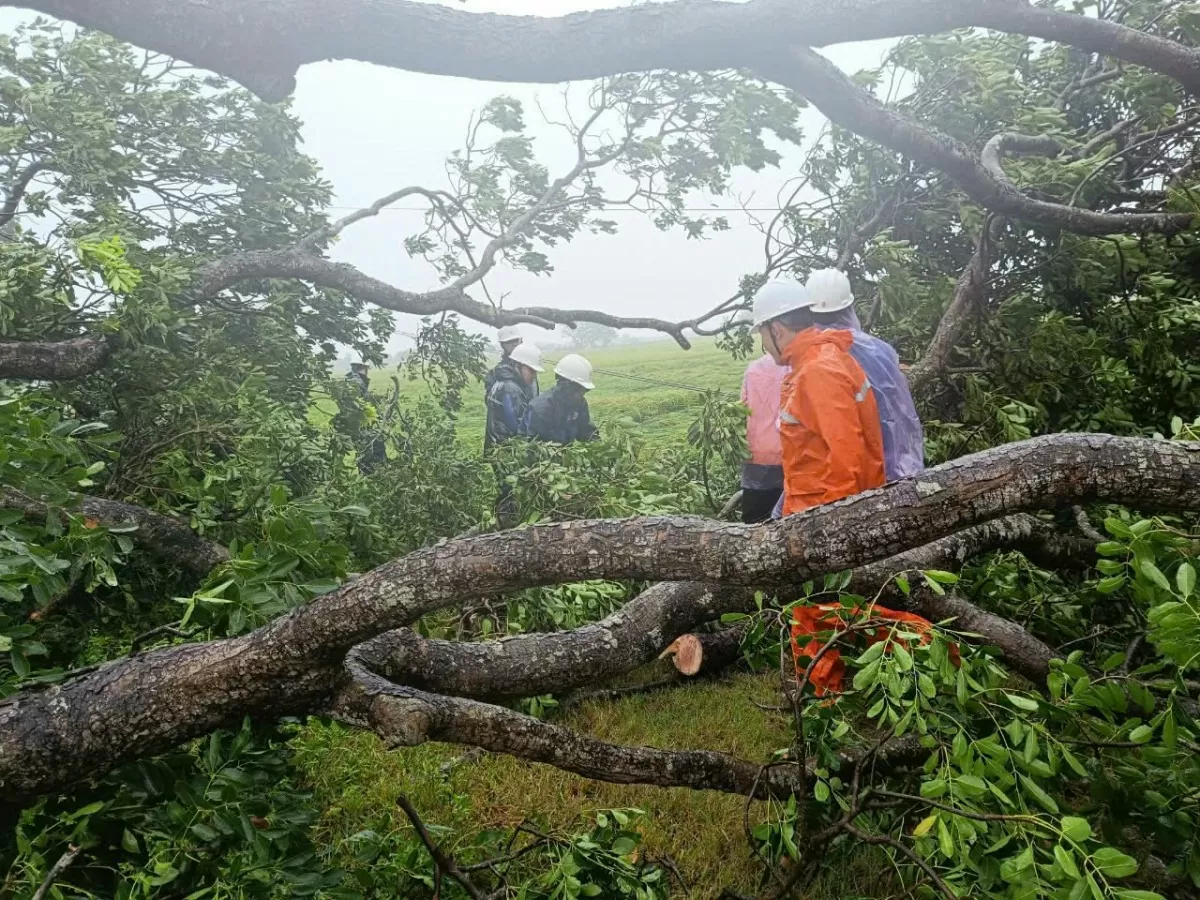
(507, 402)
(561, 415)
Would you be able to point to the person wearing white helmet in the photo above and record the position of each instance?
(832, 305)
(561, 415)
(507, 403)
(829, 429)
(510, 392)
(509, 338)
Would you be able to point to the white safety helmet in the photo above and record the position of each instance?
(574, 367)
(508, 333)
(527, 354)
(776, 298)
(829, 291)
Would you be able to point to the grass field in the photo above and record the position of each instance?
(663, 410)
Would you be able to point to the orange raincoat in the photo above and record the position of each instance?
(828, 423)
(832, 449)
(826, 676)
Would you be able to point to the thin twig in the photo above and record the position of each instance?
(442, 862)
(56, 870)
(887, 841)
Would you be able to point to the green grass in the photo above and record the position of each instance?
(356, 780)
(662, 411)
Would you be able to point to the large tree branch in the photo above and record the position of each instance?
(53, 360)
(145, 705)
(968, 299)
(300, 263)
(403, 716)
(844, 102)
(168, 538)
(530, 664)
(261, 43)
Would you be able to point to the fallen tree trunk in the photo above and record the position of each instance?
(137, 707)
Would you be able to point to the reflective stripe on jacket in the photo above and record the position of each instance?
(828, 423)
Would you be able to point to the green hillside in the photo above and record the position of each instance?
(659, 403)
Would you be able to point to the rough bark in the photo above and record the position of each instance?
(53, 360)
(532, 664)
(301, 263)
(136, 707)
(833, 92)
(969, 297)
(262, 43)
(167, 538)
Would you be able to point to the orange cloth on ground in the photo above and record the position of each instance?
(828, 673)
(829, 427)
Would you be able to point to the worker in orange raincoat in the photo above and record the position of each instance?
(829, 426)
(832, 443)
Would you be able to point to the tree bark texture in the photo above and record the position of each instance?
(262, 42)
(140, 706)
(53, 360)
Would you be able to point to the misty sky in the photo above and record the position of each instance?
(374, 129)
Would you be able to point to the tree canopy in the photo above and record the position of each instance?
(194, 567)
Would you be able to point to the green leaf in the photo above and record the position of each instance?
(902, 583)
(1066, 861)
(1152, 572)
(1110, 585)
(924, 825)
(1185, 579)
(903, 658)
(128, 842)
(204, 832)
(1141, 734)
(1012, 869)
(934, 585)
(1169, 732)
(821, 791)
(942, 577)
(1026, 703)
(1074, 763)
(1127, 894)
(5, 643)
(1112, 863)
(1075, 828)
(1043, 799)
(945, 842)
